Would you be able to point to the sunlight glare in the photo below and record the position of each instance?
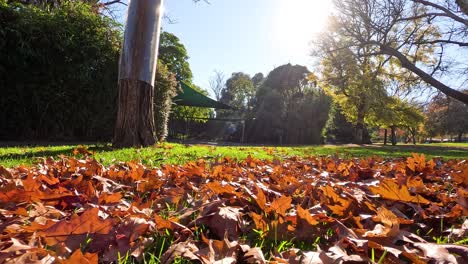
(298, 21)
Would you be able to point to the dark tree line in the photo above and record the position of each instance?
(284, 107)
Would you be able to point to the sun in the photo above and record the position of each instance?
(297, 22)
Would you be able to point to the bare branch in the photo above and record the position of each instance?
(445, 10)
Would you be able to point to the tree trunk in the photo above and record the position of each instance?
(393, 135)
(460, 135)
(137, 69)
(463, 4)
(359, 133)
(385, 137)
(413, 135)
(135, 115)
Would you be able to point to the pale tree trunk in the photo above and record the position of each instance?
(135, 116)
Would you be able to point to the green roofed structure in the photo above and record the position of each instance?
(190, 97)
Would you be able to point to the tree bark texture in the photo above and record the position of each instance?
(393, 135)
(135, 125)
(463, 4)
(135, 116)
(385, 137)
(413, 132)
(359, 133)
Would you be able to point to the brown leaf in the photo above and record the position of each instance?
(280, 205)
(78, 229)
(337, 204)
(261, 199)
(184, 250)
(108, 198)
(219, 188)
(219, 251)
(436, 252)
(81, 150)
(253, 255)
(390, 190)
(16, 246)
(78, 258)
(391, 226)
(223, 220)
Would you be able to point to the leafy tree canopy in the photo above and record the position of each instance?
(173, 54)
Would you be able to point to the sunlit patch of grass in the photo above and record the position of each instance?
(172, 153)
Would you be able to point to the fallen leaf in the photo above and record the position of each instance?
(390, 190)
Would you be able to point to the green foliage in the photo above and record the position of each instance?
(238, 93)
(58, 71)
(446, 116)
(289, 109)
(338, 129)
(174, 55)
(165, 89)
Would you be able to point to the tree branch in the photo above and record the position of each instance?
(445, 10)
(406, 63)
(459, 43)
(114, 2)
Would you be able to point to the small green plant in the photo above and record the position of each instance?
(285, 245)
(86, 243)
(125, 259)
(382, 258)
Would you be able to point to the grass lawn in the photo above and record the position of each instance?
(172, 153)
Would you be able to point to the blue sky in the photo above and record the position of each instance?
(250, 35)
(244, 35)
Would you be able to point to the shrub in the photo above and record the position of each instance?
(58, 72)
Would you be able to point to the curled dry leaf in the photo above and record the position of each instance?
(223, 220)
(391, 227)
(185, 250)
(56, 210)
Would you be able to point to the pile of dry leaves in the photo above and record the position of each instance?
(314, 210)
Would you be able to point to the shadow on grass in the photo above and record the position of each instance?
(66, 151)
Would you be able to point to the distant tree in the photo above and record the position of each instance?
(289, 108)
(238, 93)
(217, 84)
(457, 118)
(258, 80)
(398, 114)
(173, 54)
(412, 35)
(353, 82)
(165, 89)
(337, 129)
(446, 116)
